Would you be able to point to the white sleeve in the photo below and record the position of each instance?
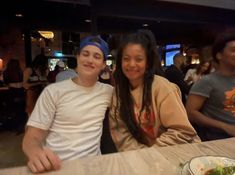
(44, 110)
(188, 74)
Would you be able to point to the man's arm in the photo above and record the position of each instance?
(193, 107)
(40, 159)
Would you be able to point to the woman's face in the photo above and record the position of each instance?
(90, 61)
(134, 62)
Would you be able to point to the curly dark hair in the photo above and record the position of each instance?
(220, 42)
(122, 86)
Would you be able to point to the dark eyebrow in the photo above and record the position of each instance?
(85, 51)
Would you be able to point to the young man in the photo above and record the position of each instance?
(210, 104)
(67, 120)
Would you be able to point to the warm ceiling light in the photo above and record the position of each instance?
(47, 34)
(19, 15)
(88, 20)
(145, 25)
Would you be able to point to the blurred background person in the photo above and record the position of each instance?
(210, 104)
(59, 67)
(34, 81)
(13, 78)
(106, 75)
(193, 75)
(175, 75)
(70, 72)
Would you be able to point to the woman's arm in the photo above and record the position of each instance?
(174, 120)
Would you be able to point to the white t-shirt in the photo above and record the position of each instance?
(73, 115)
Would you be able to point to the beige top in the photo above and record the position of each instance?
(171, 122)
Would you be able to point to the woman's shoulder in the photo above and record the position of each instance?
(162, 84)
(160, 80)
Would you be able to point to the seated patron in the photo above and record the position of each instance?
(66, 122)
(175, 75)
(34, 81)
(13, 79)
(146, 108)
(68, 73)
(210, 104)
(193, 75)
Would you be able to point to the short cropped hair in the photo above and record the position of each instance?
(221, 41)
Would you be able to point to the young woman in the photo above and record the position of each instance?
(146, 108)
(193, 75)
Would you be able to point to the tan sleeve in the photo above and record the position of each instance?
(175, 124)
(121, 136)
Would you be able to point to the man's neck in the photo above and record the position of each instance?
(86, 82)
(225, 70)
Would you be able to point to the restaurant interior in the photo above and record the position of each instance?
(55, 28)
(193, 25)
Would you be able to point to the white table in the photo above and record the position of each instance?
(148, 161)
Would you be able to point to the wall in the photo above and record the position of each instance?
(12, 45)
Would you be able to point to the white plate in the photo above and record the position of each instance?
(185, 169)
(200, 165)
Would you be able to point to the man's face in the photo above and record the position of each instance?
(90, 61)
(227, 56)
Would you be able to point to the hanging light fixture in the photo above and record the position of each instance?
(47, 34)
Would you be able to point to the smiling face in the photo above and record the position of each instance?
(134, 61)
(90, 61)
(227, 56)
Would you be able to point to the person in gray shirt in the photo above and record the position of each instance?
(211, 103)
